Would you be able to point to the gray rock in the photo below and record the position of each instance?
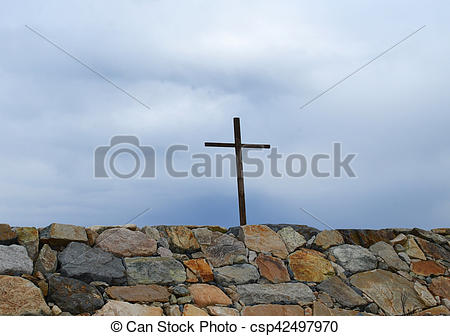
(354, 258)
(73, 296)
(236, 275)
(180, 291)
(152, 270)
(434, 237)
(342, 293)
(220, 249)
(47, 260)
(91, 264)
(14, 260)
(288, 293)
(389, 256)
(371, 308)
(291, 238)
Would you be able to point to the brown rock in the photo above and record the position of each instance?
(342, 293)
(273, 310)
(92, 236)
(60, 235)
(435, 311)
(139, 293)
(440, 286)
(119, 308)
(310, 265)
(427, 268)
(413, 250)
(181, 239)
(319, 309)
(47, 260)
(328, 238)
(126, 243)
(391, 292)
(7, 235)
(208, 295)
(366, 238)
(271, 268)
(200, 268)
(442, 231)
(29, 237)
(21, 297)
(191, 310)
(261, 238)
(222, 311)
(433, 250)
(190, 276)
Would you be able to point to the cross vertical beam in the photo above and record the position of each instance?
(238, 145)
(239, 170)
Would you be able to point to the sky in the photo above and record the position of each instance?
(198, 64)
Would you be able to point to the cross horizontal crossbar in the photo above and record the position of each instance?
(228, 144)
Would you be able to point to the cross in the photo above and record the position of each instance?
(238, 145)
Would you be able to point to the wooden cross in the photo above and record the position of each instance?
(238, 145)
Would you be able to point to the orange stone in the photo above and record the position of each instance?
(427, 268)
(191, 310)
(310, 265)
(200, 268)
(261, 238)
(439, 310)
(208, 295)
(273, 269)
(440, 286)
(273, 310)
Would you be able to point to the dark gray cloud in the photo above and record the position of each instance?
(198, 64)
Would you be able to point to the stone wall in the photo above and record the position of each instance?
(253, 270)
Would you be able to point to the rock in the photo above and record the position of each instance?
(400, 239)
(180, 291)
(181, 239)
(29, 238)
(236, 274)
(154, 270)
(427, 268)
(14, 260)
(435, 311)
(325, 299)
(215, 228)
(366, 238)
(291, 238)
(372, 308)
(56, 311)
(60, 235)
(191, 310)
(326, 239)
(441, 231)
(260, 238)
(404, 257)
(89, 264)
(424, 294)
(164, 252)
(273, 310)
(354, 258)
(126, 243)
(220, 249)
(172, 310)
(130, 226)
(101, 228)
(319, 309)
(184, 299)
(139, 293)
(208, 295)
(310, 265)
(440, 286)
(7, 235)
(429, 235)
(74, 296)
(92, 236)
(389, 256)
(433, 250)
(304, 230)
(271, 268)
(288, 293)
(118, 308)
(151, 232)
(19, 296)
(201, 269)
(342, 293)
(391, 292)
(222, 311)
(47, 260)
(413, 250)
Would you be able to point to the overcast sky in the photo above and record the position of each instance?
(199, 63)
